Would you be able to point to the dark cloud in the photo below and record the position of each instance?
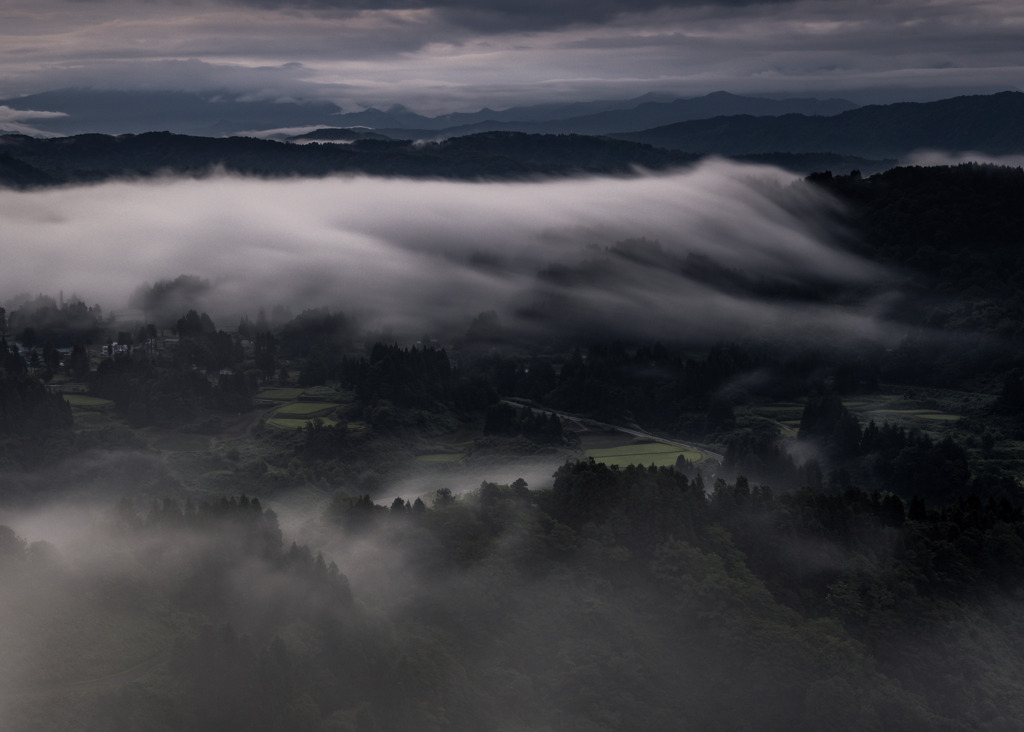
(453, 55)
(503, 16)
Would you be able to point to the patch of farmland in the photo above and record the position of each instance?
(648, 453)
(305, 410)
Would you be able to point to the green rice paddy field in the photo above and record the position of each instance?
(305, 410)
(647, 453)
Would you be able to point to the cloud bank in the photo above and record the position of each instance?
(16, 120)
(927, 158)
(583, 256)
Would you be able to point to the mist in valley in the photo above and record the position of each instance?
(461, 598)
(689, 256)
(481, 613)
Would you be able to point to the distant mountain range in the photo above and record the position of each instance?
(218, 115)
(870, 139)
(992, 124)
(719, 123)
(634, 114)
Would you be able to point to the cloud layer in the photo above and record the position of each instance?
(440, 55)
(427, 256)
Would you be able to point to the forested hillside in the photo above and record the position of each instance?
(620, 596)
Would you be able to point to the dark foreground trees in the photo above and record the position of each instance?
(620, 597)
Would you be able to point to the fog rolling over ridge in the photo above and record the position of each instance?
(622, 255)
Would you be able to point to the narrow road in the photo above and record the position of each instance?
(618, 428)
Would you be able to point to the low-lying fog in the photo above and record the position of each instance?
(716, 251)
(927, 158)
(419, 256)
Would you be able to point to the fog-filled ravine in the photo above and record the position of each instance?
(717, 448)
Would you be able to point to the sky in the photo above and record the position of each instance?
(438, 56)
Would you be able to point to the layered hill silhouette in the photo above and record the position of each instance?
(31, 162)
(992, 124)
(869, 139)
(637, 115)
(81, 111)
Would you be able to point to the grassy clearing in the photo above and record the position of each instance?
(298, 415)
(307, 410)
(650, 453)
(87, 402)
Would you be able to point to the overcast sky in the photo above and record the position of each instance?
(452, 55)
